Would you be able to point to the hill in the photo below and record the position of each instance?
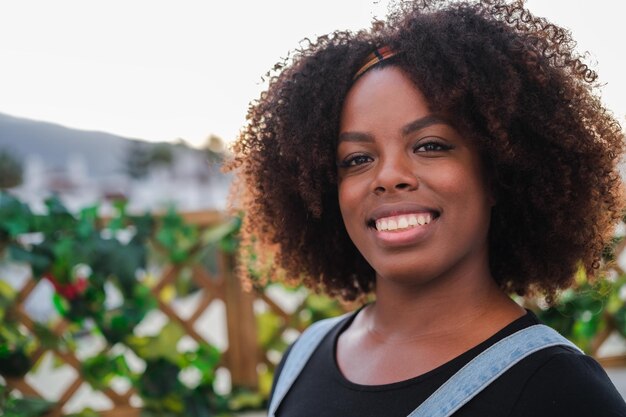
(103, 153)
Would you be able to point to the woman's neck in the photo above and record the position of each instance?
(430, 311)
(409, 331)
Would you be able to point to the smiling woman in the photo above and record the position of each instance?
(442, 161)
(409, 165)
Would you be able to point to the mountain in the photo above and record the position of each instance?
(103, 153)
(84, 167)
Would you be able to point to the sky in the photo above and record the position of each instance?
(166, 70)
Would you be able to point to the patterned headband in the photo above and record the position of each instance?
(379, 55)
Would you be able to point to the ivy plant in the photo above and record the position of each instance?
(82, 256)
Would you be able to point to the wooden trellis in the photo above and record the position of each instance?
(68, 358)
(240, 358)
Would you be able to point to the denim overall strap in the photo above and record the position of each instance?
(487, 367)
(299, 354)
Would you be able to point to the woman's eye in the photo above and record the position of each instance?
(355, 160)
(432, 147)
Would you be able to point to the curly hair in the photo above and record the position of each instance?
(513, 83)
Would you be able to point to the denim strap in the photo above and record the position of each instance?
(299, 354)
(464, 385)
(486, 368)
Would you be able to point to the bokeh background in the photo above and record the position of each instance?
(118, 294)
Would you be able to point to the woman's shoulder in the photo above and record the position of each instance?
(566, 382)
(321, 332)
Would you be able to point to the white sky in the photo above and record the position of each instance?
(162, 70)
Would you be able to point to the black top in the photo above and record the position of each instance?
(556, 381)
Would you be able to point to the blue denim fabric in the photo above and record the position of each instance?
(454, 393)
(300, 353)
(486, 368)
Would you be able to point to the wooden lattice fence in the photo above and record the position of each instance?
(239, 358)
(247, 359)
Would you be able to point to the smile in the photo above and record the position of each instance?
(403, 222)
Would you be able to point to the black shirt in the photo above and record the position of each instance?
(556, 381)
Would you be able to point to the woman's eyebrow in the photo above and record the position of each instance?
(423, 122)
(355, 137)
(409, 128)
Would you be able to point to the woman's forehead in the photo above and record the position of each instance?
(383, 94)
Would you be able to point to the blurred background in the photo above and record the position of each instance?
(117, 290)
(85, 84)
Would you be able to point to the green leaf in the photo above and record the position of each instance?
(144, 226)
(322, 307)
(217, 233)
(46, 337)
(117, 222)
(60, 304)
(34, 368)
(87, 222)
(268, 325)
(56, 207)
(160, 380)
(177, 237)
(87, 412)
(118, 324)
(266, 380)
(195, 406)
(15, 217)
(151, 412)
(245, 400)
(14, 364)
(39, 261)
(162, 346)
(27, 407)
(166, 342)
(99, 371)
(7, 292)
(205, 359)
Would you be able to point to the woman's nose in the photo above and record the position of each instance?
(394, 175)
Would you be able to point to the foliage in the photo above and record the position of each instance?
(12, 406)
(78, 259)
(84, 259)
(16, 345)
(15, 218)
(177, 237)
(590, 311)
(87, 412)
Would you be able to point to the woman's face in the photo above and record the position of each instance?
(411, 189)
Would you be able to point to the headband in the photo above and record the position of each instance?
(376, 57)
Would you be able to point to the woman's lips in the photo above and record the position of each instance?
(404, 229)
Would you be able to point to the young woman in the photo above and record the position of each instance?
(442, 161)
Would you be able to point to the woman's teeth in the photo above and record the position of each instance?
(404, 221)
